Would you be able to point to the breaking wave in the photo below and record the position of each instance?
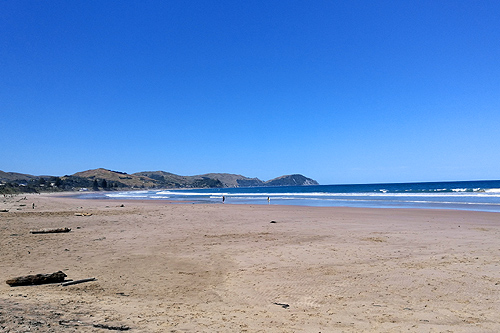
(475, 195)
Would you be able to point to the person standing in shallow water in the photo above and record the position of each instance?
(268, 200)
(223, 199)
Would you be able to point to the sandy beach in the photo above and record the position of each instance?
(163, 267)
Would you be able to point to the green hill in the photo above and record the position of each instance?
(108, 180)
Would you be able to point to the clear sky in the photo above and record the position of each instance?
(340, 91)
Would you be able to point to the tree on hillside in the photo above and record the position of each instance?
(58, 182)
(104, 183)
(95, 185)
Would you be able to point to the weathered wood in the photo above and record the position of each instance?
(69, 283)
(36, 279)
(78, 323)
(283, 305)
(83, 214)
(49, 231)
(110, 327)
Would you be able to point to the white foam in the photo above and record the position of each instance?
(456, 193)
(126, 195)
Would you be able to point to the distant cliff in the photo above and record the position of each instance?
(170, 180)
(223, 180)
(291, 180)
(108, 180)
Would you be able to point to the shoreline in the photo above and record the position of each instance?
(454, 199)
(456, 195)
(192, 202)
(103, 201)
(213, 267)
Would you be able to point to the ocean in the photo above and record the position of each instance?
(461, 195)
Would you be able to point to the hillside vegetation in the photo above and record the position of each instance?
(108, 180)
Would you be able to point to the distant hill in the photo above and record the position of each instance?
(232, 180)
(224, 180)
(167, 179)
(104, 179)
(291, 180)
(122, 178)
(206, 180)
(14, 176)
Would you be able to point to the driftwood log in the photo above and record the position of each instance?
(36, 279)
(283, 305)
(50, 231)
(69, 283)
(83, 214)
(110, 327)
(78, 323)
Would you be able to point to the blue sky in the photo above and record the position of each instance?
(340, 91)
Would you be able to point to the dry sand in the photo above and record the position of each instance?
(164, 267)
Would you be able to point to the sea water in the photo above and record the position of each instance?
(463, 195)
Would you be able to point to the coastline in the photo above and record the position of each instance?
(213, 267)
(472, 195)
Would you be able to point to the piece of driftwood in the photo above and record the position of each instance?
(83, 214)
(50, 231)
(283, 305)
(36, 279)
(69, 283)
(105, 326)
(111, 327)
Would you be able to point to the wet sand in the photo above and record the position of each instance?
(163, 267)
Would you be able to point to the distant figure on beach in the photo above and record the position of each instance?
(33, 205)
(223, 199)
(268, 200)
